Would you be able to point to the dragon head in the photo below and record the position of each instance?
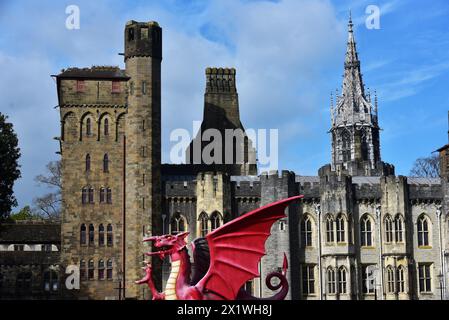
(167, 244)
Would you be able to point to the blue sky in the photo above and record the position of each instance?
(288, 55)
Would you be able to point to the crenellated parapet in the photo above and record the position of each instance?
(220, 80)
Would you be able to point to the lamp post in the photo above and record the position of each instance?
(120, 279)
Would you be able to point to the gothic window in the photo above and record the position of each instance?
(178, 224)
(329, 229)
(204, 228)
(102, 194)
(342, 280)
(88, 127)
(388, 229)
(108, 195)
(90, 270)
(106, 163)
(101, 235)
(306, 231)
(106, 127)
(390, 280)
(346, 146)
(398, 228)
(91, 234)
(115, 86)
(401, 279)
(308, 279)
(425, 278)
(331, 287)
(87, 162)
(215, 221)
(366, 232)
(109, 235)
(82, 270)
(423, 231)
(84, 195)
(340, 229)
(91, 195)
(368, 279)
(80, 85)
(109, 269)
(51, 281)
(23, 281)
(101, 269)
(364, 145)
(130, 34)
(83, 234)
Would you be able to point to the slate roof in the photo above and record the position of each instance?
(100, 72)
(25, 233)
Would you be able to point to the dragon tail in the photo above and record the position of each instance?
(283, 285)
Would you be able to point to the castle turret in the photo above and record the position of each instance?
(355, 128)
(143, 56)
(232, 151)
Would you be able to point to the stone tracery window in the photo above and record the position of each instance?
(215, 220)
(204, 227)
(366, 236)
(306, 231)
(329, 229)
(340, 228)
(178, 224)
(423, 231)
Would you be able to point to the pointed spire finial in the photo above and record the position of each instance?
(350, 24)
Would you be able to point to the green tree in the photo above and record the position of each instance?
(24, 214)
(9, 166)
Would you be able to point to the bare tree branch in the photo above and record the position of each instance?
(426, 167)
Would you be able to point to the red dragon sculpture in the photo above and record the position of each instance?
(224, 261)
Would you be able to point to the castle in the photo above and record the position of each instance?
(359, 233)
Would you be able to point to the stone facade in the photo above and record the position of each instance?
(359, 233)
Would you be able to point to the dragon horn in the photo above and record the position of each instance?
(153, 238)
(285, 265)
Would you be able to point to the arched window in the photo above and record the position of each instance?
(329, 229)
(177, 224)
(101, 235)
(364, 145)
(84, 195)
(399, 228)
(215, 220)
(110, 237)
(346, 146)
(423, 231)
(388, 229)
(101, 270)
(106, 163)
(106, 127)
(331, 288)
(102, 195)
(91, 234)
(390, 279)
(342, 280)
(91, 195)
(82, 270)
(108, 195)
(51, 282)
(90, 270)
(83, 238)
(366, 236)
(340, 229)
(87, 162)
(204, 228)
(88, 127)
(306, 231)
(109, 270)
(401, 279)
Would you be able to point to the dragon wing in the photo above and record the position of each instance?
(237, 247)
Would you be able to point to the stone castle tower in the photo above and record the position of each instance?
(235, 155)
(111, 158)
(143, 56)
